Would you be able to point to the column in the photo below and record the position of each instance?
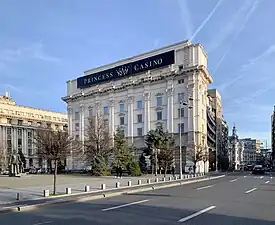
(82, 123)
(147, 112)
(70, 120)
(170, 110)
(131, 118)
(14, 139)
(111, 117)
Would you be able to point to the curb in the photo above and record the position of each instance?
(106, 193)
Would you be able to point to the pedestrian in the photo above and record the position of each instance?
(194, 168)
(117, 172)
(190, 169)
(173, 171)
(120, 172)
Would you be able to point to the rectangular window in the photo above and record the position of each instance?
(139, 131)
(159, 101)
(181, 81)
(181, 127)
(139, 104)
(77, 126)
(19, 131)
(121, 107)
(159, 115)
(139, 118)
(181, 112)
(106, 123)
(90, 112)
(122, 120)
(20, 122)
(48, 125)
(76, 116)
(29, 134)
(9, 121)
(180, 97)
(19, 142)
(105, 110)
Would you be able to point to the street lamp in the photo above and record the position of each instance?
(180, 149)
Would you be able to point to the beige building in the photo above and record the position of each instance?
(17, 126)
(167, 87)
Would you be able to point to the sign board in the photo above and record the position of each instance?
(129, 69)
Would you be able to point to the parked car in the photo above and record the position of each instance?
(258, 169)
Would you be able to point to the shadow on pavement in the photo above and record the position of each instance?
(147, 213)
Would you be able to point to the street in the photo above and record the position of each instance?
(233, 199)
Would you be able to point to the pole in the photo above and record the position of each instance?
(156, 162)
(180, 161)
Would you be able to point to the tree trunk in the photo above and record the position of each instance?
(54, 177)
(165, 170)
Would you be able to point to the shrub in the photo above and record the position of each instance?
(134, 168)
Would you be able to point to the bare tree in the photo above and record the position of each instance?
(53, 146)
(196, 153)
(3, 158)
(97, 144)
(166, 154)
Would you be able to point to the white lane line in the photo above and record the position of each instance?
(197, 214)
(261, 177)
(204, 187)
(253, 189)
(234, 180)
(245, 177)
(46, 222)
(125, 205)
(267, 182)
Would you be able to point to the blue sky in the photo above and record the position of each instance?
(45, 43)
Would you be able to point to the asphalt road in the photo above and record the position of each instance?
(234, 199)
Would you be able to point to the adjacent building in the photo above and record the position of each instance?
(236, 150)
(165, 87)
(217, 131)
(252, 151)
(18, 125)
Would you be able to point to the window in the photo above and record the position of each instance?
(159, 101)
(31, 162)
(139, 131)
(202, 127)
(181, 112)
(9, 131)
(29, 142)
(90, 112)
(180, 97)
(121, 107)
(139, 104)
(139, 118)
(105, 110)
(9, 121)
(48, 125)
(106, 124)
(181, 81)
(76, 116)
(29, 134)
(202, 112)
(181, 127)
(20, 122)
(159, 115)
(77, 126)
(19, 131)
(19, 141)
(122, 120)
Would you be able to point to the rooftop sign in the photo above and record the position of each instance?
(128, 69)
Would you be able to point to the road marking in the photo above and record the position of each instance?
(267, 182)
(261, 177)
(204, 187)
(46, 222)
(253, 189)
(234, 180)
(245, 177)
(125, 205)
(197, 214)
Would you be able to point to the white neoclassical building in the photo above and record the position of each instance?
(17, 128)
(143, 92)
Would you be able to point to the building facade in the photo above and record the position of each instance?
(166, 87)
(17, 128)
(236, 150)
(252, 151)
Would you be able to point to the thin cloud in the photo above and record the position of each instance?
(239, 30)
(186, 18)
(203, 24)
(231, 26)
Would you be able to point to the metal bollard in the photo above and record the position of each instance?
(148, 181)
(163, 179)
(87, 188)
(129, 183)
(46, 193)
(68, 191)
(117, 185)
(103, 186)
(17, 196)
(156, 180)
(170, 178)
(139, 182)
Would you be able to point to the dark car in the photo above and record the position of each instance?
(258, 169)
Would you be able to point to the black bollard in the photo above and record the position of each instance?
(17, 196)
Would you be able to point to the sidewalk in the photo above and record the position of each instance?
(31, 187)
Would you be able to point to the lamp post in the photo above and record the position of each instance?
(181, 102)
